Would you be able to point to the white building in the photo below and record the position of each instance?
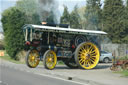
(1, 36)
(1, 33)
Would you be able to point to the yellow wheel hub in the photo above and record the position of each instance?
(50, 59)
(33, 59)
(88, 55)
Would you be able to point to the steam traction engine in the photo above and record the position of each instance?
(75, 47)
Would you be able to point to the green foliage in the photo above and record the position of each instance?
(93, 14)
(125, 73)
(1, 44)
(8, 58)
(12, 21)
(123, 58)
(65, 18)
(125, 35)
(75, 18)
(83, 21)
(51, 18)
(35, 13)
(113, 20)
(29, 7)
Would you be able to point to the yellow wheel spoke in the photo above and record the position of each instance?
(80, 60)
(93, 54)
(92, 58)
(82, 55)
(90, 48)
(82, 48)
(92, 61)
(33, 59)
(87, 48)
(51, 60)
(93, 51)
(86, 61)
(88, 55)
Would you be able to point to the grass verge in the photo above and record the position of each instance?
(8, 58)
(124, 73)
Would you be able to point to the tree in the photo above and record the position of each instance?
(125, 38)
(93, 14)
(29, 7)
(51, 18)
(65, 18)
(36, 11)
(12, 21)
(113, 19)
(75, 18)
(83, 21)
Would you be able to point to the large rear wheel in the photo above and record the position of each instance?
(32, 58)
(87, 55)
(49, 59)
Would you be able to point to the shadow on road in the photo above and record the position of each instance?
(103, 66)
(99, 66)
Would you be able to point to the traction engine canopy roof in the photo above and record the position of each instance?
(60, 30)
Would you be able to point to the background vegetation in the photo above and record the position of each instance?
(12, 20)
(111, 17)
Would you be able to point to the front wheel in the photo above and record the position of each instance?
(49, 59)
(87, 55)
(32, 58)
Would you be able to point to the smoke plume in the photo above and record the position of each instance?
(45, 8)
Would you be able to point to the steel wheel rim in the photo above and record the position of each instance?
(126, 66)
(51, 60)
(33, 58)
(88, 55)
(106, 60)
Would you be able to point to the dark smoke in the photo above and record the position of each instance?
(45, 7)
(46, 1)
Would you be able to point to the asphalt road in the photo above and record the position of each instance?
(20, 74)
(11, 76)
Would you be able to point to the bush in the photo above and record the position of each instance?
(1, 45)
(123, 58)
(12, 21)
(21, 56)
